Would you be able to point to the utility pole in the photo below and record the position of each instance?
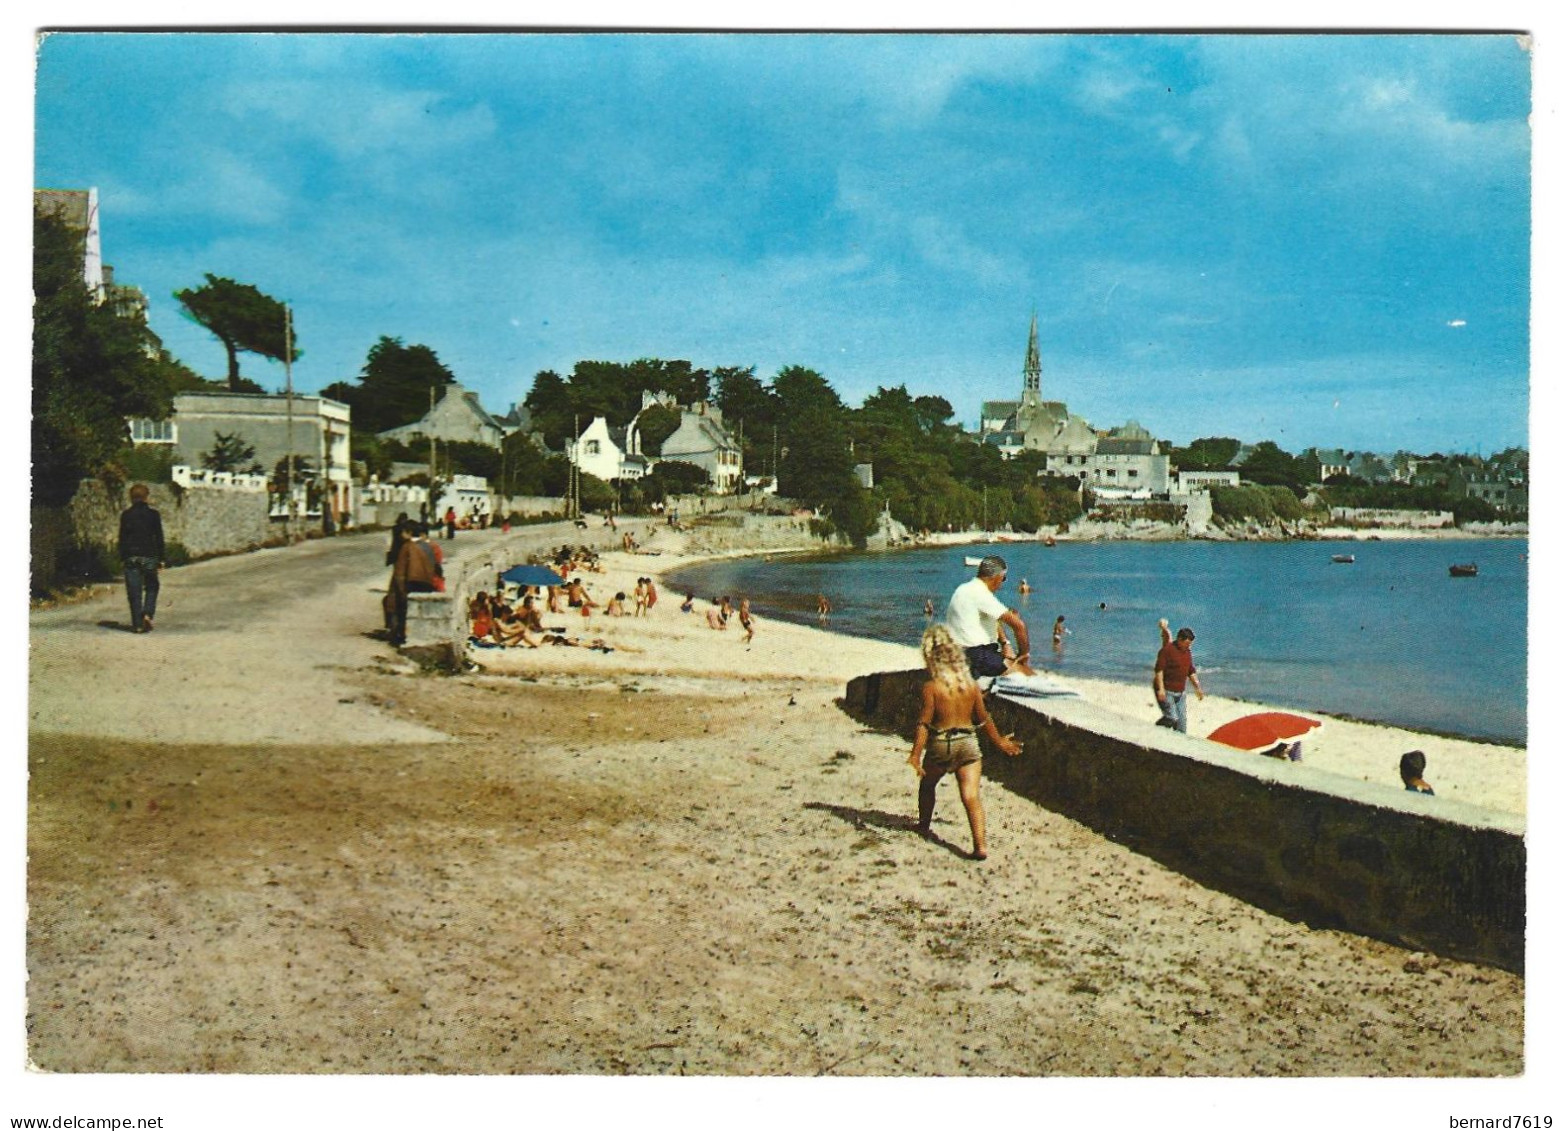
(287, 368)
(573, 506)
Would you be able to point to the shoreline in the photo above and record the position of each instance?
(679, 647)
(804, 620)
(1164, 532)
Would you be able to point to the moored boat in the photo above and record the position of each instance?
(973, 561)
(1466, 570)
(1344, 559)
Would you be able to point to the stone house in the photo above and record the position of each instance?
(702, 439)
(458, 415)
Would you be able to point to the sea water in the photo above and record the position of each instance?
(1391, 638)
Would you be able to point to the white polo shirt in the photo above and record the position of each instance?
(974, 612)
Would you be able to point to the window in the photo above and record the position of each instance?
(593, 447)
(153, 432)
(1132, 473)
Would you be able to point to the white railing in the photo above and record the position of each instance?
(187, 476)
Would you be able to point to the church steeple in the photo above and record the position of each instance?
(1033, 364)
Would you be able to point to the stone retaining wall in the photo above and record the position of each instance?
(206, 521)
(1422, 872)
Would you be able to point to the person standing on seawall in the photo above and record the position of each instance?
(141, 551)
(1174, 670)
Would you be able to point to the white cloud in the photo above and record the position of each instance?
(231, 187)
(354, 121)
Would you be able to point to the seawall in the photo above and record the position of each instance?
(1421, 872)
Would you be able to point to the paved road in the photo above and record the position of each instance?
(248, 649)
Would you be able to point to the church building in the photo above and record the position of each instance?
(1123, 462)
(1032, 424)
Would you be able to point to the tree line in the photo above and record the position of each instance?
(97, 364)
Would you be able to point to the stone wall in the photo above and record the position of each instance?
(373, 513)
(206, 521)
(1423, 872)
(756, 532)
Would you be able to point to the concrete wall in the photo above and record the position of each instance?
(1422, 872)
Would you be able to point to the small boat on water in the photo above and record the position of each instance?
(1344, 559)
(973, 561)
(1466, 570)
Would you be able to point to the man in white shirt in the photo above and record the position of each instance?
(975, 617)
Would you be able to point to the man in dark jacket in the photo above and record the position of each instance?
(417, 570)
(141, 551)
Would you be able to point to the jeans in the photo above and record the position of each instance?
(141, 585)
(1174, 711)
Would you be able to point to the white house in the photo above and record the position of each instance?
(702, 439)
(596, 452)
(1204, 480)
(1134, 467)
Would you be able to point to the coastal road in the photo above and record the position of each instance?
(248, 649)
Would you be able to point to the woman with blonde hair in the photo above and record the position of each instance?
(945, 740)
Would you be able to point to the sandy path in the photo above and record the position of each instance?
(679, 856)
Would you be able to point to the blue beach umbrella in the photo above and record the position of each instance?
(531, 575)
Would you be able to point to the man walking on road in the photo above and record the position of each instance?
(974, 617)
(1174, 670)
(141, 551)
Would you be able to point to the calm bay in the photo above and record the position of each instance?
(1390, 638)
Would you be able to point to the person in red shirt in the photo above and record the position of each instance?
(1174, 670)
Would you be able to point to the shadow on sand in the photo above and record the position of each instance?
(864, 820)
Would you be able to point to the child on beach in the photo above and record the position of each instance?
(746, 619)
(1411, 767)
(952, 712)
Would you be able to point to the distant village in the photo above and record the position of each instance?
(1123, 464)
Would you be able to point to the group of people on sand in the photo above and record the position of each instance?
(970, 644)
(720, 613)
(496, 622)
(644, 598)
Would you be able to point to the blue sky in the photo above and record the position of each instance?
(1321, 240)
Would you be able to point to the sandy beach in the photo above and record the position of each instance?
(670, 643)
(675, 857)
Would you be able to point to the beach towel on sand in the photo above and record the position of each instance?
(1036, 686)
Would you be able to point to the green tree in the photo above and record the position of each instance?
(751, 408)
(1271, 465)
(524, 469)
(551, 408)
(656, 424)
(932, 412)
(92, 368)
(677, 477)
(243, 319)
(230, 453)
(1208, 453)
(394, 386)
